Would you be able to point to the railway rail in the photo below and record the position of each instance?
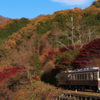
(79, 95)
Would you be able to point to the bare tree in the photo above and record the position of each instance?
(72, 32)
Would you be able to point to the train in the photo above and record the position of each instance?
(80, 79)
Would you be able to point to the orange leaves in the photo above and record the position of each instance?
(63, 11)
(92, 9)
(75, 10)
(79, 17)
(4, 25)
(6, 68)
(44, 53)
(11, 43)
(13, 39)
(17, 37)
(78, 9)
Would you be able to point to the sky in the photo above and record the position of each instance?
(33, 8)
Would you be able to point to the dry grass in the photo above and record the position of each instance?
(37, 91)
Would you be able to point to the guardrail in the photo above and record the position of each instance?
(77, 96)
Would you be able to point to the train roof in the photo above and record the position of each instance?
(79, 71)
(82, 70)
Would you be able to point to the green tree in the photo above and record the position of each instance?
(98, 16)
(35, 64)
(61, 19)
(96, 4)
(43, 27)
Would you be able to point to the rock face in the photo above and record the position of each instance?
(3, 19)
(36, 17)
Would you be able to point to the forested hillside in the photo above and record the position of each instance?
(9, 27)
(33, 52)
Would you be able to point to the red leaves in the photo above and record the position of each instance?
(37, 79)
(65, 49)
(51, 54)
(4, 75)
(88, 52)
(34, 50)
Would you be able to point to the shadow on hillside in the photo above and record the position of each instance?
(50, 77)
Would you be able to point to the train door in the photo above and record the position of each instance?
(69, 79)
(92, 77)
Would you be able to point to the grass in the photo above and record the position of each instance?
(38, 91)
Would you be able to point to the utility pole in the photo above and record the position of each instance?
(72, 31)
(89, 35)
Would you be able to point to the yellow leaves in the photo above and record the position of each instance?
(12, 36)
(19, 93)
(13, 39)
(17, 37)
(11, 43)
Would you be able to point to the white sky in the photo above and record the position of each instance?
(72, 2)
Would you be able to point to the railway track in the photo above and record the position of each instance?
(79, 95)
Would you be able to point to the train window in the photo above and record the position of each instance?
(85, 76)
(95, 75)
(89, 77)
(78, 76)
(69, 76)
(99, 73)
(82, 76)
(75, 76)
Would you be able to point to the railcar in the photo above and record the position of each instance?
(87, 78)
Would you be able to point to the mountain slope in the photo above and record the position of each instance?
(36, 17)
(3, 19)
(45, 47)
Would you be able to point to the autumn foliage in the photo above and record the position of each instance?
(9, 72)
(87, 53)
